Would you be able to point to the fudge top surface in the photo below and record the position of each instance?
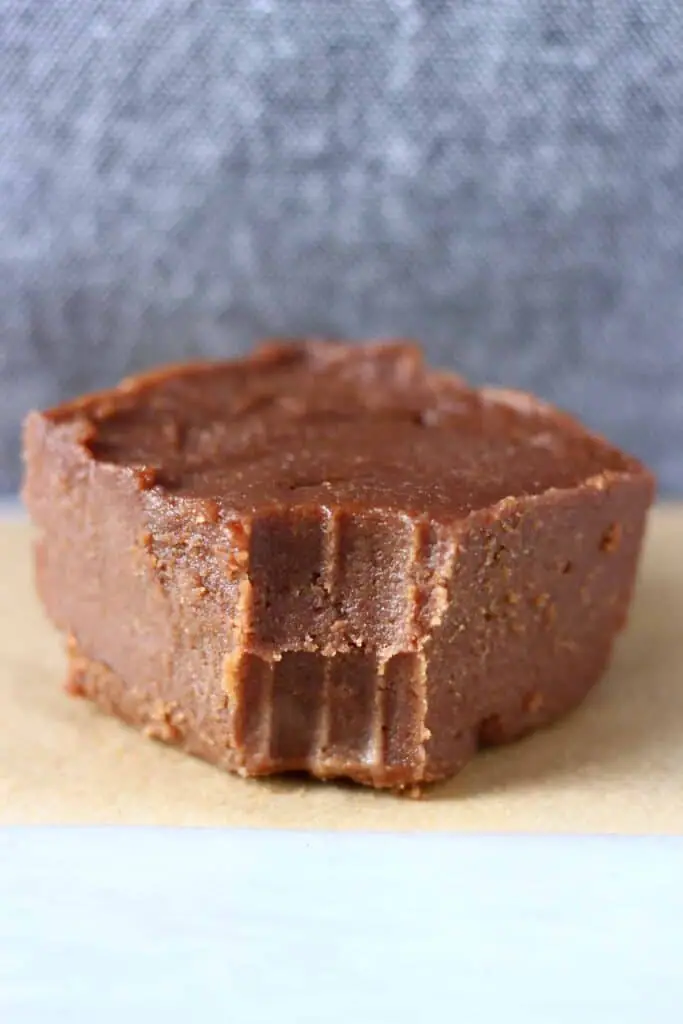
(312, 423)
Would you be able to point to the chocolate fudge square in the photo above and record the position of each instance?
(329, 558)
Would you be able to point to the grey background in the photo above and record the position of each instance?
(501, 178)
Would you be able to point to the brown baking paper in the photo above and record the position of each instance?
(615, 765)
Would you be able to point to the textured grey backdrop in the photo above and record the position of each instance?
(502, 178)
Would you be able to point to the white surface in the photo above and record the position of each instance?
(172, 925)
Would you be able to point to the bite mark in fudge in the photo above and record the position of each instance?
(330, 558)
